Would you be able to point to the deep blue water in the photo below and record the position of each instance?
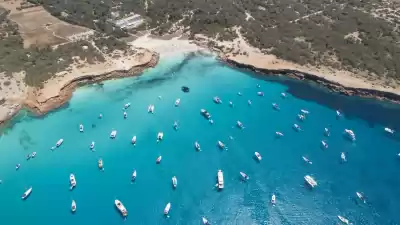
(372, 166)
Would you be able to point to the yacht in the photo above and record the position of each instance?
(80, 128)
(249, 102)
(310, 181)
(197, 146)
(391, 131)
(360, 196)
(273, 200)
(92, 145)
(174, 181)
(121, 208)
(17, 166)
(134, 173)
(73, 206)
(239, 93)
(275, 106)
(306, 160)
(283, 95)
(324, 144)
(33, 154)
(127, 105)
(205, 113)
(100, 164)
(279, 134)
(231, 104)
(158, 161)
(327, 133)
(59, 142)
(113, 134)
(239, 124)
(296, 127)
(160, 136)
(217, 100)
(220, 178)
(244, 176)
(125, 115)
(258, 156)
(26, 193)
(150, 109)
(167, 208)
(344, 220)
(343, 157)
(177, 102)
(305, 112)
(134, 140)
(176, 125)
(301, 117)
(72, 180)
(221, 145)
(205, 221)
(260, 93)
(350, 134)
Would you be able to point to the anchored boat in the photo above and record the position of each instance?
(72, 180)
(121, 208)
(167, 208)
(73, 206)
(26, 193)
(220, 178)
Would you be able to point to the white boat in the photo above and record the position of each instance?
(221, 145)
(327, 133)
(344, 220)
(258, 156)
(305, 112)
(296, 127)
(260, 93)
(350, 134)
(306, 160)
(174, 182)
(239, 124)
(275, 106)
(125, 115)
(134, 175)
(81, 128)
(338, 113)
(211, 121)
(279, 134)
(205, 113)
(220, 178)
(360, 196)
(231, 104)
(150, 109)
(205, 221)
(26, 193)
(239, 93)
(100, 116)
(33, 154)
(244, 176)
(73, 206)
(134, 140)
(121, 208)
(177, 102)
(217, 100)
(310, 181)
(343, 157)
(92, 145)
(17, 166)
(59, 142)
(197, 146)
(249, 102)
(167, 208)
(273, 200)
(160, 97)
(391, 131)
(283, 95)
(301, 117)
(160, 136)
(72, 180)
(113, 134)
(324, 144)
(100, 164)
(127, 105)
(158, 160)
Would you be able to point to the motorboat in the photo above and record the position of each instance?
(134, 173)
(258, 156)
(28, 157)
(344, 220)
(127, 105)
(296, 127)
(324, 144)
(158, 161)
(301, 117)
(360, 196)
(391, 131)
(26, 193)
(343, 157)
(273, 200)
(260, 93)
(327, 133)
(205, 113)
(211, 121)
(239, 93)
(249, 102)
(113, 134)
(160, 136)
(80, 128)
(205, 221)
(310, 181)
(275, 106)
(279, 134)
(305, 112)
(231, 104)
(350, 134)
(134, 140)
(197, 146)
(121, 208)
(338, 113)
(174, 182)
(73, 206)
(100, 116)
(33, 154)
(92, 145)
(176, 125)
(220, 178)
(125, 115)
(167, 208)
(221, 145)
(239, 124)
(72, 180)
(283, 95)
(244, 176)
(177, 101)
(217, 100)
(59, 142)
(100, 164)
(150, 109)
(17, 166)
(306, 160)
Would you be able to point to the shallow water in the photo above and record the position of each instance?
(372, 166)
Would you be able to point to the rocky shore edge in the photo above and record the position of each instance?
(333, 86)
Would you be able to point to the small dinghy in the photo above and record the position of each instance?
(174, 182)
(258, 156)
(59, 142)
(134, 140)
(260, 93)
(127, 105)
(239, 93)
(360, 196)
(279, 134)
(221, 145)
(160, 136)
(205, 221)
(100, 164)
(113, 134)
(150, 109)
(167, 208)
(231, 104)
(249, 102)
(388, 130)
(134, 175)
(306, 160)
(125, 115)
(296, 127)
(301, 117)
(324, 144)
(73, 206)
(211, 121)
(273, 200)
(81, 128)
(344, 220)
(239, 124)
(275, 106)
(177, 102)
(327, 133)
(33, 154)
(72, 181)
(158, 161)
(176, 125)
(100, 116)
(92, 145)
(244, 176)
(343, 157)
(17, 166)
(258, 86)
(197, 146)
(338, 114)
(283, 95)
(305, 112)
(217, 100)
(28, 157)
(26, 194)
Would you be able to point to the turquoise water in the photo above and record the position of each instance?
(372, 166)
